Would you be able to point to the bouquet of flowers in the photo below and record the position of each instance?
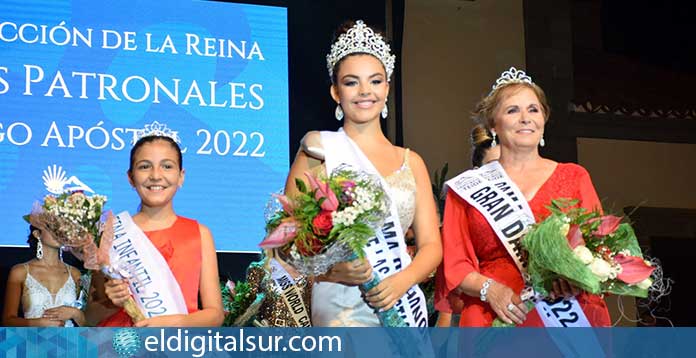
(598, 254)
(75, 221)
(330, 222)
(73, 218)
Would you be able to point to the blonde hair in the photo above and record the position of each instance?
(481, 141)
(484, 112)
(480, 136)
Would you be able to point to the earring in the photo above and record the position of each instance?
(385, 111)
(542, 142)
(493, 143)
(339, 112)
(60, 253)
(39, 250)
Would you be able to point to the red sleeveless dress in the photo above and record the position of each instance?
(470, 244)
(180, 246)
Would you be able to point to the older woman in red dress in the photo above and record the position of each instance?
(477, 265)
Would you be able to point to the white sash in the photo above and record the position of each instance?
(387, 250)
(499, 200)
(286, 287)
(155, 290)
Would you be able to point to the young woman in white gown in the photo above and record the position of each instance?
(360, 64)
(45, 287)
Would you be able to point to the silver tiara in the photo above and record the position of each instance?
(156, 129)
(512, 75)
(361, 39)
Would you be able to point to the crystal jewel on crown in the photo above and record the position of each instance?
(156, 129)
(361, 39)
(512, 75)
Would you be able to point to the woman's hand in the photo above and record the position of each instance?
(61, 313)
(506, 304)
(564, 289)
(175, 320)
(117, 291)
(385, 295)
(350, 273)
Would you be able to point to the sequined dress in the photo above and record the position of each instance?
(273, 311)
(336, 305)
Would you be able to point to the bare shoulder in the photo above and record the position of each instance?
(416, 161)
(205, 232)
(419, 169)
(75, 273)
(18, 272)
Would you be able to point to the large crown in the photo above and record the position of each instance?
(361, 39)
(156, 129)
(512, 75)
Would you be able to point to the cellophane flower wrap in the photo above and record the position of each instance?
(329, 222)
(597, 253)
(75, 220)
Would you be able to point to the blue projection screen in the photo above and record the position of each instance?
(77, 78)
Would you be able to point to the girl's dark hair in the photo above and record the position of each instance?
(31, 240)
(342, 29)
(150, 139)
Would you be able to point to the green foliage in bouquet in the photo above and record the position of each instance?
(326, 213)
(548, 254)
(238, 303)
(596, 253)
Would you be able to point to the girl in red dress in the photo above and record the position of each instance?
(156, 173)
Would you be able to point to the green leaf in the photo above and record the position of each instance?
(550, 256)
(301, 186)
(236, 305)
(624, 239)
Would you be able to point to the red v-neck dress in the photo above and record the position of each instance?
(470, 244)
(180, 246)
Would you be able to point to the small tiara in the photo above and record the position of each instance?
(512, 75)
(156, 129)
(361, 39)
